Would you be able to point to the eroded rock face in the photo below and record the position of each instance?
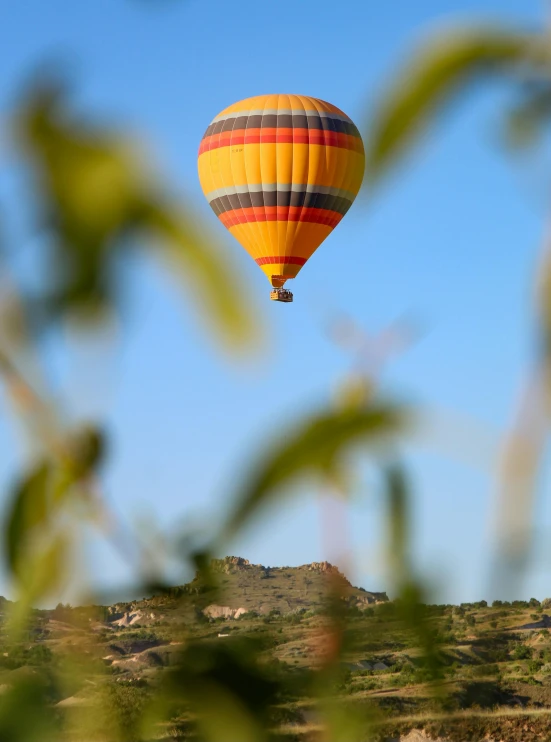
(229, 564)
(326, 568)
(418, 735)
(223, 611)
(128, 618)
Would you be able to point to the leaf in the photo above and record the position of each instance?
(315, 447)
(101, 199)
(43, 572)
(344, 723)
(230, 687)
(443, 66)
(86, 451)
(36, 554)
(35, 509)
(29, 509)
(87, 181)
(525, 122)
(26, 713)
(206, 272)
(409, 601)
(398, 523)
(223, 718)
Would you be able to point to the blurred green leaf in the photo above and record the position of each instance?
(525, 122)
(410, 600)
(34, 550)
(398, 555)
(314, 447)
(29, 508)
(229, 687)
(86, 449)
(36, 554)
(189, 254)
(223, 718)
(543, 297)
(25, 714)
(343, 722)
(444, 65)
(87, 181)
(42, 573)
(99, 196)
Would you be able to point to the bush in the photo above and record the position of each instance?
(293, 618)
(522, 652)
(483, 670)
(530, 681)
(144, 635)
(481, 604)
(535, 666)
(498, 655)
(18, 656)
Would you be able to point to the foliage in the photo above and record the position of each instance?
(101, 206)
(444, 65)
(522, 652)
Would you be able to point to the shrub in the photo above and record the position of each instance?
(522, 652)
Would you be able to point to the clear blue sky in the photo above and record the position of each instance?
(452, 239)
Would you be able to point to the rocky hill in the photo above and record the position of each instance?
(247, 588)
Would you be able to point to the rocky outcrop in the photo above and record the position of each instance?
(223, 611)
(322, 567)
(230, 564)
(326, 568)
(128, 619)
(74, 701)
(417, 735)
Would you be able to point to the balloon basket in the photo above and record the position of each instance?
(281, 295)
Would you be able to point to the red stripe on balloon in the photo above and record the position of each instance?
(281, 260)
(280, 214)
(281, 136)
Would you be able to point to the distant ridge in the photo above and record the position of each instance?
(247, 588)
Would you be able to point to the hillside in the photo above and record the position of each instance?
(246, 588)
(492, 664)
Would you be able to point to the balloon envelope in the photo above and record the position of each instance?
(280, 172)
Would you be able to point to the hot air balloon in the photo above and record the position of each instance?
(280, 172)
